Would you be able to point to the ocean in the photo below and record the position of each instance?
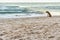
(22, 10)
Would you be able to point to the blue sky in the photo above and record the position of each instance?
(29, 0)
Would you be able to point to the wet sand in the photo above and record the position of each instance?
(38, 28)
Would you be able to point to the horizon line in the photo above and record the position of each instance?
(29, 2)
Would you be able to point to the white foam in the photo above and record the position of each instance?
(21, 15)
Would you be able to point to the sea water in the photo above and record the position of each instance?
(55, 7)
(20, 15)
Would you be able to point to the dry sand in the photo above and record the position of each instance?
(39, 28)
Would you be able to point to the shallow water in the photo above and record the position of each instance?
(24, 15)
(16, 15)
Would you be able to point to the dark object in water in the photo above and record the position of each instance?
(49, 14)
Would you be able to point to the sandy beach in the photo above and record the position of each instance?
(38, 28)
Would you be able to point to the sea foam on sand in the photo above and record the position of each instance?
(21, 15)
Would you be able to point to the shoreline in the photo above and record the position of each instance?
(53, 13)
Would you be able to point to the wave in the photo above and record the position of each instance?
(21, 15)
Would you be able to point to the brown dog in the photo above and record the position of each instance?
(49, 14)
